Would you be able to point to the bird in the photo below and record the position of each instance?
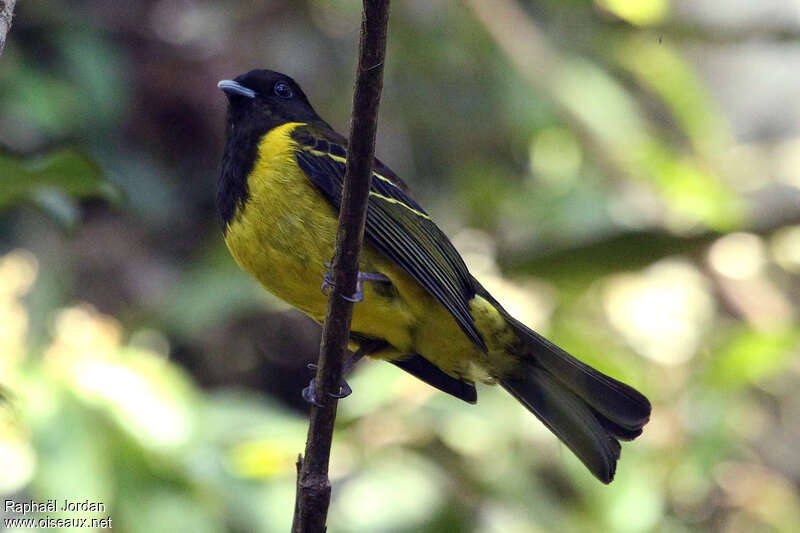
(419, 308)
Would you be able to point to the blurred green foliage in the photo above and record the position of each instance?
(52, 182)
(576, 152)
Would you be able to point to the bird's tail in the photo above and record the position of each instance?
(589, 411)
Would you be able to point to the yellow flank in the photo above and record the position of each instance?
(285, 233)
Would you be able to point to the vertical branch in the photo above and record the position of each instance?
(313, 485)
(6, 13)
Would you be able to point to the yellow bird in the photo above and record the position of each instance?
(278, 197)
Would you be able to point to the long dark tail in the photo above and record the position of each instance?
(589, 411)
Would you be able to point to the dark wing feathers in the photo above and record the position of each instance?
(396, 225)
(418, 366)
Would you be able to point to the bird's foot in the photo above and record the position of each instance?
(310, 392)
(327, 279)
(362, 277)
(344, 391)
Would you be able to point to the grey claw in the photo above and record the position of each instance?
(327, 282)
(344, 391)
(358, 296)
(310, 394)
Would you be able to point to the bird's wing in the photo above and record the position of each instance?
(421, 368)
(396, 225)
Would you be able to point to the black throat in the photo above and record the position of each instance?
(238, 160)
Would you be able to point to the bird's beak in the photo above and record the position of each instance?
(230, 87)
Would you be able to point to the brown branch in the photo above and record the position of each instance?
(6, 14)
(313, 485)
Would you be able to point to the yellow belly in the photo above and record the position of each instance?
(284, 235)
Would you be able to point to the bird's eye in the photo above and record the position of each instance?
(283, 90)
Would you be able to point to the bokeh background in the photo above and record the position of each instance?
(624, 175)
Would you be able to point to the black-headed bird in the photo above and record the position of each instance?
(278, 197)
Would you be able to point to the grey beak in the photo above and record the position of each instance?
(231, 87)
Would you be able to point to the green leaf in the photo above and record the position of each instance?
(65, 170)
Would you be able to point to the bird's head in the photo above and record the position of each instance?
(264, 99)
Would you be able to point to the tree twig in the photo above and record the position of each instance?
(6, 14)
(313, 485)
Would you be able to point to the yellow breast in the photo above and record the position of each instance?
(284, 233)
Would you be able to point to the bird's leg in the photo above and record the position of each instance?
(362, 277)
(310, 394)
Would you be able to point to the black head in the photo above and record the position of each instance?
(257, 102)
(264, 99)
